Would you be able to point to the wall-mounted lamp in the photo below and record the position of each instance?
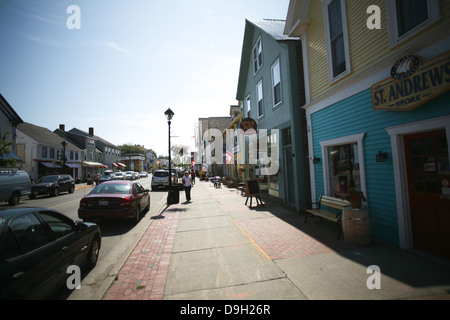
(316, 160)
(381, 156)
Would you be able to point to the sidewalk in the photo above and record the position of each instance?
(215, 247)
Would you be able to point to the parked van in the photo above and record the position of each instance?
(13, 185)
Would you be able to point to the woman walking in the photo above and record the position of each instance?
(187, 185)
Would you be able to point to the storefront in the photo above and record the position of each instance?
(391, 142)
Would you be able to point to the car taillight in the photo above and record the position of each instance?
(83, 202)
(126, 202)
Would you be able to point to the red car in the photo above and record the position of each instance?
(115, 199)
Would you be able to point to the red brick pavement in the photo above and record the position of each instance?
(143, 276)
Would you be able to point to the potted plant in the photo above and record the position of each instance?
(355, 198)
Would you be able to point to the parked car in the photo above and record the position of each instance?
(53, 185)
(115, 199)
(143, 174)
(119, 175)
(38, 245)
(105, 178)
(129, 175)
(136, 175)
(160, 179)
(13, 185)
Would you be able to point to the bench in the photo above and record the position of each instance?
(327, 214)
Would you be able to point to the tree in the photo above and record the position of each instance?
(5, 148)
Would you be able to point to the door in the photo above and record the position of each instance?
(289, 176)
(428, 171)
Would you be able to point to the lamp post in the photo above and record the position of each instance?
(169, 115)
(64, 144)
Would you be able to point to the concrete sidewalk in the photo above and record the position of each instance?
(216, 247)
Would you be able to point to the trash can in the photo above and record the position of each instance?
(174, 195)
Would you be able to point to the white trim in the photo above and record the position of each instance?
(331, 77)
(354, 138)
(312, 173)
(260, 82)
(399, 159)
(391, 11)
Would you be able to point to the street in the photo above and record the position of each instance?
(118, 236)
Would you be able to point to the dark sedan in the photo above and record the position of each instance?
(53, 185)
(37, 248)
(115, 199)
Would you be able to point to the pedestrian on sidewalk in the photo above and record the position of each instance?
(193, 177)
(187, 185)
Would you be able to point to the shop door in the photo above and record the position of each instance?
(428, 169)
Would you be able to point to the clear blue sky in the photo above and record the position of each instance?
(129, 61)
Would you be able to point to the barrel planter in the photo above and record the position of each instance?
(356, 225)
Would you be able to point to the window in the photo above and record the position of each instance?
(337, 40)
(59, 224)
(52, 153)
(257, 55)
(259, 93)
(408, 17)
(29, 233)
(44, 152)
(276, 83)
(343, 165)
(248, 105)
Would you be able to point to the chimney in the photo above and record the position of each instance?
(62, 127)
(91, 131)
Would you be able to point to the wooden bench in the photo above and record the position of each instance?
(326, 214)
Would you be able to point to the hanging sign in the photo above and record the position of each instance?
(412, 83)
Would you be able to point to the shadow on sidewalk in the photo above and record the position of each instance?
(268, 223)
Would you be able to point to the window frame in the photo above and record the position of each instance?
(258, 58)
(331, 77)
(392, 21)
(355, 138)
(260, 100)
(275, 103)
(248, 106)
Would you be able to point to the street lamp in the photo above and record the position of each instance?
(64, 144)
(169, 115)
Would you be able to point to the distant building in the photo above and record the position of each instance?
(9, 120)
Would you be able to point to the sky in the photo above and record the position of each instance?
(118, 65)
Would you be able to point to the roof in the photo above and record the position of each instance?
(44, 136)
(273, 27)
(9, 111)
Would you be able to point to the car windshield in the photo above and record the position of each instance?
(105, 177)
(47, 179)
(161, 174)
(112, 188)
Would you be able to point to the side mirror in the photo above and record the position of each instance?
(80, 226)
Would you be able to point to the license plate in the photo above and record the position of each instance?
(103, 203)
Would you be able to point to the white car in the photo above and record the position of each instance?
(143, 174)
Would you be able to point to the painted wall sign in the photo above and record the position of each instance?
(412, 83)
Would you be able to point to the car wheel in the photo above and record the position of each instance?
(92, 257)
(15, 199)
(71, 189)
(56, 192)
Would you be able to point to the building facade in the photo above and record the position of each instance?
(378, 111)
(270, 90)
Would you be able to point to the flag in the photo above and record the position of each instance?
(228, 157)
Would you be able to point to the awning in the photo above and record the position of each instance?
(73, 165)
(11, 155)
(50, 165)
(121, 164)
(115, 165)
(93, 164)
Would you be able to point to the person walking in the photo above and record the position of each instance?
(187, 185)
(193, 177)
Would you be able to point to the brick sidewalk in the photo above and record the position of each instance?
(143, 276)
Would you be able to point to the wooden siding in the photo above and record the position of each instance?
(355, 115)
(368, 48)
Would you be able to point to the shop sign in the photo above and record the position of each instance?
(412, 83)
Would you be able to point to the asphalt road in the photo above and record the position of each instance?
(118, 238)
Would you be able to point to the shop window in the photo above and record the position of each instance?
(344, 171)
(343, 165)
